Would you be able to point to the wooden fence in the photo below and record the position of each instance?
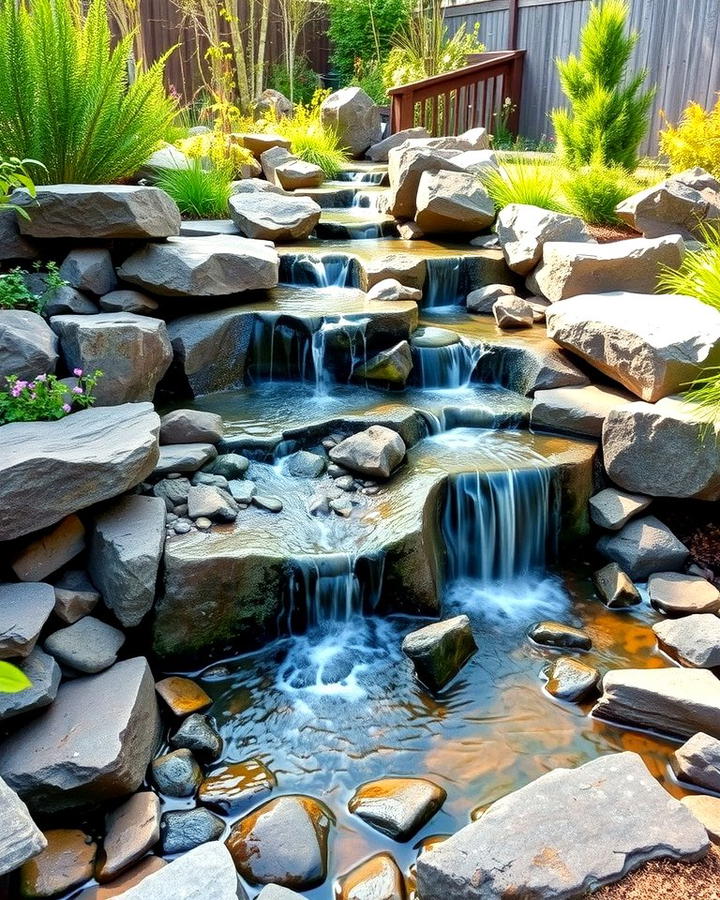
(679, 44)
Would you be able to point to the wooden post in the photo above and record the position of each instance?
(513, 24)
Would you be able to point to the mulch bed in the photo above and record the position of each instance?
(606, 234)
(664, 879)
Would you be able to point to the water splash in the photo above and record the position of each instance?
(347, 338)
(366, 200)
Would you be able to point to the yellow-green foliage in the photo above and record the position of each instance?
(695, 141)
(532, 184)
(594, 191)
(224, 152)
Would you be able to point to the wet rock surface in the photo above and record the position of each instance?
(206, 872)
(556, 851)
(616, 588)
(198, 734)
(373, 453)
(130, 831)
(378, 878)
(177, 774)
(236, 785)
(182, 695)
(692, 640)
(397, 807)
(65, 863)
(20, 839)
(438, 651)
(698, 761)
(557, 634)
(570, 679)
(184, 829)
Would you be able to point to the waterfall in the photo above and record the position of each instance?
(343, 337)
(443, 285)
(361, 177)
(499, 525)
(446, 367)
(365, 200)
(329, 270)
(331, 588)
(279, 351)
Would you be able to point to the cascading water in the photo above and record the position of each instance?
(449, 367)
(329, 270)
(499, 525)
(342, 333)
(365, 200)
(361, 177)
(443, 285)
(279, 351)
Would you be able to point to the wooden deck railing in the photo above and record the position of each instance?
(466, 98)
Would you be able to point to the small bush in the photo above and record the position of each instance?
(593, 192)
(362, 30)
(695, 141)
(535, 185)
(218, 150)
(45, 398)
(608, 114)
(200, 193)
(369, 77)
(15, 293)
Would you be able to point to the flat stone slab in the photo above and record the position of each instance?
(673, 701)
(677, 594)
(205, 873)
(83, 459)
(184, 457)
(49, 552)
(130, 831)
(644, 546)
(211, 266)
(93, 744)
(88, 646)
(691, 640)
(576, 409)
(98, 211)
(652, 344)
(24, 609)
(66, 863)
(611, 508)
(398, 807)
(20, 838)
(698, 761)
(44, 675)
(563, 835)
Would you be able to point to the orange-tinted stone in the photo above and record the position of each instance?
(237, 783)
(378, 878)
(122, 883)
(182, 695)
(66, 862)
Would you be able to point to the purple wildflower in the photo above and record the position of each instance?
(78, 372)
(77, 390)
(66, 407)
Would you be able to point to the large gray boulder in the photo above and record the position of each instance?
(13, 245)
(354, 117)
(205, 873)
(379, 152)
(577, 409)
(83, 459)
(373, 453)
(524, 230)
(269, 217)
(646, 448)
(674, 701)
(563, 836)
(674, 206)
(92, 745)
(24, 610)
(569, 268)
(133, 353)
(92, 211)
(125, 552)
(651, 344)
(210, 266)
(451, 202)
(189, 426)
(20, 838)
(28, 346)
(286, 171)
(406, 165)
(643, 547)
(89, 269)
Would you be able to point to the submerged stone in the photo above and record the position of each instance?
(397, 807)
(198, 734)
(563, 835)
(557, 634)
(378, 878)
(570, 679)
(616, 588)
(440, 650)
(392, 365)
(66, 862)
(236, 784)
(177, 774)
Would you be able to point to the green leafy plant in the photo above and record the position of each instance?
(608, 115)
(12, 679)
(310, 138)
(361, 32)
(45, 398)
(14, 174)
(695, 140)
(64, 93)
(532, 184)
(594, 191)
(698, 275)
(304, 81)
(369, 77)
(200, 193)
(15, 292)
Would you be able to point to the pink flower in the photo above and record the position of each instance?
(66, 407)
(41, 378)
(21, 384)
(77, 372)
(77, 390)
(16, 390)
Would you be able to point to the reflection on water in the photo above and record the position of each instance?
(339, 705)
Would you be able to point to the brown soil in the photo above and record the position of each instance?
(605, 234)
(664, 879)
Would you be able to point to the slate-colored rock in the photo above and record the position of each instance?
(88, 646)
(184, 829)
(304, 464)
(126, 547)
(673, 701)
(644, 445)
(513, 312)
(285, 170)
(557, 634)
(65, 300)
(406, 165)
(189, 426)
(130, 831)
(182, 695)
(576, 409)
(24, 610)
(616, 588)
(352, 114)
(13, 245)
(452, 202)
(692, 640)
(378, 878)
(283, 842)
(569, 268)
(129, 301)
(172, 491)
(184, 457)
(644, 546)
(272, 218)
(211, 266)
(698, 761)
(563, 835)
(89, 269)
(571, 679)
(438, 651)
(43, 555)
(379, 151)
(236, 785)
(177, 774)
(205, 873)
(83, 459)
(392, 366)
(44, 675)
(133, 353)
(397, 807)
(677, 594)
(653, 345)
(611, 508)
(209, 502)
(20, 838)
(231, 465)
(373, 453)
(148, 865)
(524, 230)
(65, 758)
(89, 211)
(198, 734)
(65, 863)
(75, 596)
(28, 346)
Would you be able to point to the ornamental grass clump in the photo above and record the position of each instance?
(527, 183)
(594, 191)
(65, 99)
(199, 193)
(310, 139)
(608, 115)
(45, 398)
